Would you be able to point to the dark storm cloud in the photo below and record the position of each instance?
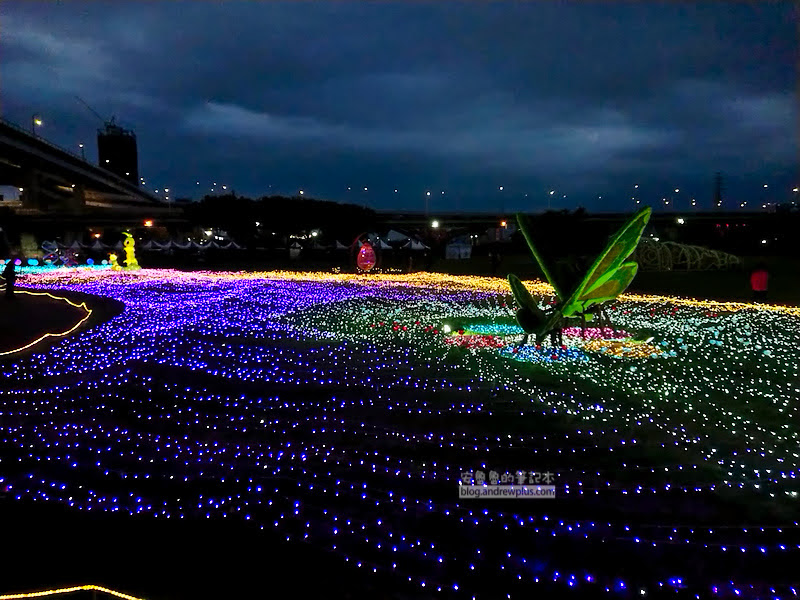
(585, 97)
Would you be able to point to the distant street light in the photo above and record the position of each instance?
(435, 224)
(83, 154)
(36, 121)
(427, 202)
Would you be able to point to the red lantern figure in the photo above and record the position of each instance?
(366, 257)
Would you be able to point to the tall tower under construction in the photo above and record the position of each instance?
(116, 148)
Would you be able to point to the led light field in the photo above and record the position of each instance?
(341, 411)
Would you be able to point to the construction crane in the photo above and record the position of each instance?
(109, 123)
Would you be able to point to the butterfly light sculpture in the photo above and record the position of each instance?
(610, 274)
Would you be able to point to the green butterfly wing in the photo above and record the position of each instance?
(613, 287)
(523, 227)
(521, 293)
(610, 275)
(529, 316)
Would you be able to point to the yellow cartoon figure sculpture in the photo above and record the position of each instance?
(112, 258)
(130, 256)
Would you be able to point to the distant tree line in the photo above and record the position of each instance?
(281, 216)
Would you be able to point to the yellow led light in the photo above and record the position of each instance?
(69, 590)
(47, 335)
(622, 349)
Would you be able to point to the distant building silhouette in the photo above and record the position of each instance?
(116, 148)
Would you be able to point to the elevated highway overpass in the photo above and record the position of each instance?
(58, 185)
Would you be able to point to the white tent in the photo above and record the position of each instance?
(235, 246)
(98, 246)
(396, 236)
(416, 245)
(185, 246)
(148, 245)
(118, 245)
(341, 246)
(76, 245)
(381, 245)
(164, 246)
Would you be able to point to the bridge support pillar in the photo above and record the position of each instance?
(31, 192)
(78, 201)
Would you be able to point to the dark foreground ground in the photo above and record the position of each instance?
(33, 317)
(48, 546)
(24, 318)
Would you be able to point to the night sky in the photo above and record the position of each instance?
(585, 99)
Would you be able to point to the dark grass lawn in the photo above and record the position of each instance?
(25, 318)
